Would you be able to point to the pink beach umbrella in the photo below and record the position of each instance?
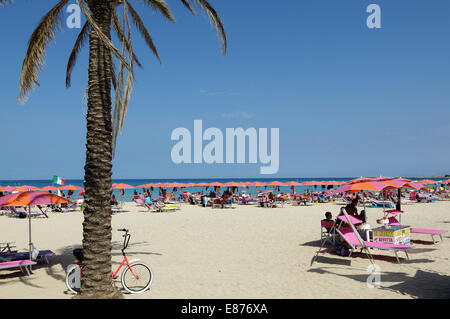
(49, 188)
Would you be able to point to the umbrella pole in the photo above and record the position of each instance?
(29, 231)
(399, 207)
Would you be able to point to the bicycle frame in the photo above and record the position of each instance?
(125, 260)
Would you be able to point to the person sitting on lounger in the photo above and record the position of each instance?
(353, 211)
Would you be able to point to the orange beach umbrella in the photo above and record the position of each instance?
(121, 186)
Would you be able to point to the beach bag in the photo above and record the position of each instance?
(341, 250)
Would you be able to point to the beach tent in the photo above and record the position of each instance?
(31, 198)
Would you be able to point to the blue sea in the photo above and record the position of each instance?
(135, 182)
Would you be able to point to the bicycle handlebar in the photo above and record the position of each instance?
(123, 229)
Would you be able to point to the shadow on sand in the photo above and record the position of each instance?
(423, 285)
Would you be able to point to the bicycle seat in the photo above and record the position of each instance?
(78, 253)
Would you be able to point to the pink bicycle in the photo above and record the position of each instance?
(136, 277)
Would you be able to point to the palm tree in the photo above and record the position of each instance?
(102, 125)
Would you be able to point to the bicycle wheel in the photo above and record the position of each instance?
(73, 278)
(142, 282)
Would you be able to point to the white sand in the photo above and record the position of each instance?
(247, 252)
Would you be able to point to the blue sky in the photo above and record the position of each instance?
(348, 100)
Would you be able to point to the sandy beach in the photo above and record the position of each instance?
(246, 252)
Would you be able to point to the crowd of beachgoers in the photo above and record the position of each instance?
(239, 234)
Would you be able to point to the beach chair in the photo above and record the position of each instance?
(382, 204)
(22, 264)
(326, 227)
(433, 232)
(354, 240)
(14, 255)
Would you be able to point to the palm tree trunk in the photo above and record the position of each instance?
(96, 281)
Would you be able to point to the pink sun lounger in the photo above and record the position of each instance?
(22, 264)
(354, 241)
(433, 232)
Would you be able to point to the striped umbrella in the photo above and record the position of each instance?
(7, 189)
(276, 183)
(215, 184)
(49, 188)
(70, 188)
(256, 184)
(148, 185)
(25, 188)
(121, 186)
(200, 184)
(231, 184)
(310, 183)
(426, 182)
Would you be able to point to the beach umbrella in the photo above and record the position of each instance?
(446, 181)
(49, 188)
(256, 184)
(7, 189)
(24, 188)
(31, 198)
(215, 184)
(199, 184)
(121, 186)
(399, 184)
(426, 182)
(361, 186)
(145, 185)
(276, 183)
(231, 184)
(70, 188)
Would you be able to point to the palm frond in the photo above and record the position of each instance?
(215, 20)
(143, 30)
(106, 41)
(120, 34)
(123, 93)
(188, 5)
(34, 58)
(161, 6)
(81, 40)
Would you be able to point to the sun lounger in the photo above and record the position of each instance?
(381, 204)
(161, 207)
(354, 241)
(22, 264)
(433, 232)
(351, 236)
(14, 256)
